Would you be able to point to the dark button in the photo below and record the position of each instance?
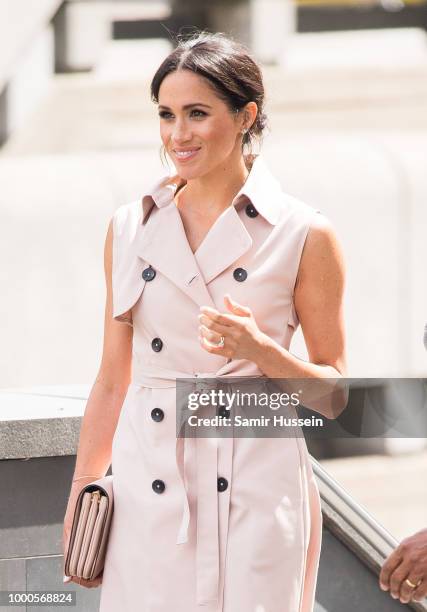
(157, 415)
(240, 274)
(156, 345)
(223, 412)
(148, 274)
(158, 486)
(251, 211)
(222, 484)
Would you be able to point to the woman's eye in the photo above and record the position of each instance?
(166, 114)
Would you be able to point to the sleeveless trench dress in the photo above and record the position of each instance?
(202, 525)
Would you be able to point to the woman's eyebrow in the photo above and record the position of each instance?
(186, 106)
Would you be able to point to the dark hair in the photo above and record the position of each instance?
(228, 67)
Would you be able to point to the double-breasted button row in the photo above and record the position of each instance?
(159, 486)
(239, 274)
(149, 273)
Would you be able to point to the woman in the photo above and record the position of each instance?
(212, 271)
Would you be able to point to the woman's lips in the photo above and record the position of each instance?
(186, 155)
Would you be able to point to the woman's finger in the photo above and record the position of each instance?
(235, 307)
(210, 335)
(224, 351)
(218, 317)
(222, 330)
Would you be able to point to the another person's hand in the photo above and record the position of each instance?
(404, 573)
(76, 487)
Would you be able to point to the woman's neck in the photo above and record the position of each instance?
(213, 193)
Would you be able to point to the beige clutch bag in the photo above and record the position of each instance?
(90, 529)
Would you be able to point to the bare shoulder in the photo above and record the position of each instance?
(123, 222)
(319, 294)
(321, 232)
(322, 253)
(115, 367)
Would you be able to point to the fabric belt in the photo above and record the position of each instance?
(208, 536)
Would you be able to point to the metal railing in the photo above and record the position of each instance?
(354, 526)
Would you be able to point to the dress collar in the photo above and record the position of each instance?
(261, 187)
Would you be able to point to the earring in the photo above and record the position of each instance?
(244, 131)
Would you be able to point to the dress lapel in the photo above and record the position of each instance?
(227, 240)
(163, 244)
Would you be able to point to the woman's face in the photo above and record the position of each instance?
(195, 122)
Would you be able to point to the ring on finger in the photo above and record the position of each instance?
(411, 584)
(219, 344)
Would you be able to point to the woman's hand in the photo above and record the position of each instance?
(242, 337)
(76, 487)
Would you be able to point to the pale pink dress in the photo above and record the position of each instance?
(253, 547)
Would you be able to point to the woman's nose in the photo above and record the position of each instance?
(180, 132)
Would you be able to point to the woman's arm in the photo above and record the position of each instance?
(103, 407)
(108, 392)
(318, 299)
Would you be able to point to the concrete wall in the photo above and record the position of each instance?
(31, 523)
